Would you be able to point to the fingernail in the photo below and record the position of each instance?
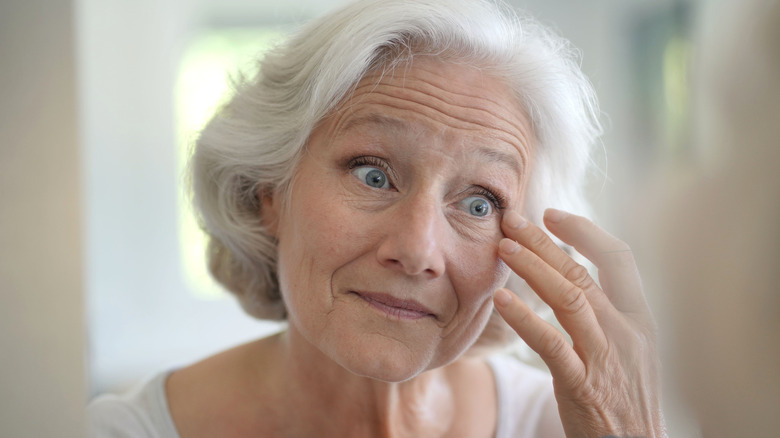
(508, 246)
(502, 297)
(514, 220)
(554, 215)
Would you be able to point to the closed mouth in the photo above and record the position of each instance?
(395, 307)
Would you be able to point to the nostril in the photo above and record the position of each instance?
(393, 263)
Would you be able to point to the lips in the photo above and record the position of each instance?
(396, 307)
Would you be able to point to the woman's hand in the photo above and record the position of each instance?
(606, 380)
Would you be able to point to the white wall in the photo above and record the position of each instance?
(42, 379)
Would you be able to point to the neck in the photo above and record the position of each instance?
(327, 400)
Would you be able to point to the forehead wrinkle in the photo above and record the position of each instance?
(432, 73)
(461, 93)
(487, 118)
(439, 93)
(373, 118)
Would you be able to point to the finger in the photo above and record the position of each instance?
(541, 336)
(567, 300)
(534, 238)
(538, 241)
(618, 273)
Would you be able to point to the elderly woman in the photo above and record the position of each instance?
(369, 186)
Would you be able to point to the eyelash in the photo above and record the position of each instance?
(495, 198)
(498, 201)
(368, 160)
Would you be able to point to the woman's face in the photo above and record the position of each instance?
(388, 243)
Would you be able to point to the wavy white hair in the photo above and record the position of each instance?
(252, 144)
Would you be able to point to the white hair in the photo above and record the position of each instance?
(251, 146)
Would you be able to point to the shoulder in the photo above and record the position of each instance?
(526, 402)
(232, 390)
(141, 412)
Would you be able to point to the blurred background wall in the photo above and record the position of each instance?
(100, 101)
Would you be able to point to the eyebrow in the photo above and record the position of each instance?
(496, 156)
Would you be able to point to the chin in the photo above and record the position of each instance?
(368, 344)
(378, 357)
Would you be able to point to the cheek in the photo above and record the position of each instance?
(481, 268)
(317, 236)
(481, 273)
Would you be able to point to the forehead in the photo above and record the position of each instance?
(452, 102)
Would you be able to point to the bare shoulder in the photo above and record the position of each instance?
(222, 394)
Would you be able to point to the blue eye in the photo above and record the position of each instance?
(372, 177)
(477, 206)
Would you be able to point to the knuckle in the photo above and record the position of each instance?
(538, 238)
(553, 344)
(577, 274)
(587, 392)
(573, 300)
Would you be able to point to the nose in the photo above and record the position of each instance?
(413, 240)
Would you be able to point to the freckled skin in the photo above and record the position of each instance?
(442, 132)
